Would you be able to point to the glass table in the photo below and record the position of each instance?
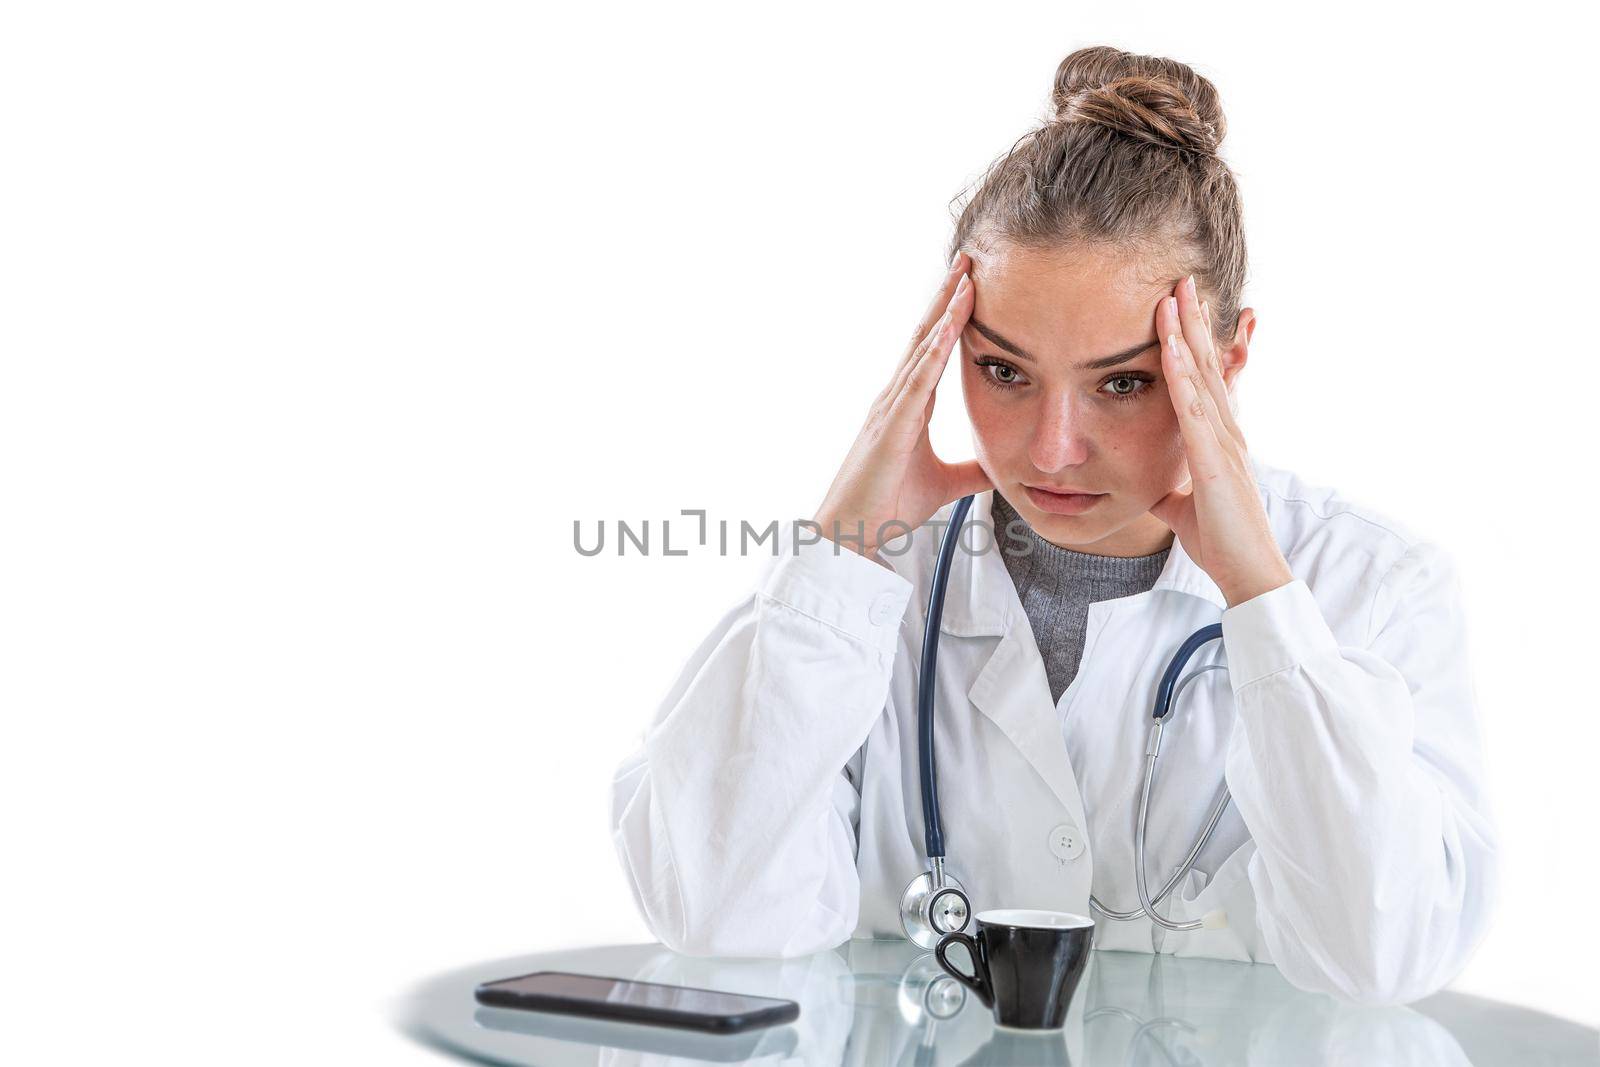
(887, 1002)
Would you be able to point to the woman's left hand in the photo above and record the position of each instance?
(1217, 514)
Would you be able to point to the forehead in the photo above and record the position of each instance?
(1069, 303)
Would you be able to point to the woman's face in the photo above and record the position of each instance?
(1062, 374)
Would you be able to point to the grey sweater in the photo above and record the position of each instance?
(1056, 586)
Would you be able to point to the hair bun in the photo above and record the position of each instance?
(1151, 99)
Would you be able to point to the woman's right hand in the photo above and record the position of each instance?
(891, 475)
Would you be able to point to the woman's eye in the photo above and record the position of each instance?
(1135, 387)
(999, 374)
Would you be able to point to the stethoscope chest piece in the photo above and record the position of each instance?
(927, 992)
(929, 911)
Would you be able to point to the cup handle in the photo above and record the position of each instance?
(978, 981)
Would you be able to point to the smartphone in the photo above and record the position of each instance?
(623, 1000)
(778, 1042)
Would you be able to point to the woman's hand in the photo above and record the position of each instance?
(1217, 514)
(891, 482)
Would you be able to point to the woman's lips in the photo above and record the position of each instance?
(1063, 503)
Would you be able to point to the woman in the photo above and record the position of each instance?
(774, 806)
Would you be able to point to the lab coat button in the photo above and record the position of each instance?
(1066, 842)
(883, 610)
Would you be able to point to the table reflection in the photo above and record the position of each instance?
(887, 1002)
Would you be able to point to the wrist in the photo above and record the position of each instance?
(851, 535)
(1274, 577)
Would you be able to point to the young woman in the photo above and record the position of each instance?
(774, 807)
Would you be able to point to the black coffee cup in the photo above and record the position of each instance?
(1026, 964)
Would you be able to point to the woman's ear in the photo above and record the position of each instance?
(1234, 356)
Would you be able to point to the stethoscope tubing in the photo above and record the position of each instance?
(1212, 818)
(933, 828)
(1166, 692)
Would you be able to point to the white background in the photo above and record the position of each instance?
(324, 321)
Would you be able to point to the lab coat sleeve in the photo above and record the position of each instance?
(736, 819)
(1358, 772)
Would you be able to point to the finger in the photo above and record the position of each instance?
(929, 331)
(940, 301)
(1227, 407)
(1203, 347)
(948, 333)
(1192, 401)
(1170, 321)
(923, 375)
(1192, 323)
(1183, 315)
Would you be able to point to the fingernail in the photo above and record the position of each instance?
(1190, 283)
(1172, 304)
(955, 261)
(961, 286)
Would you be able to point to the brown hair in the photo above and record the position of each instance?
(1129, 164)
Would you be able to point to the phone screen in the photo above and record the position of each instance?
(619, 998)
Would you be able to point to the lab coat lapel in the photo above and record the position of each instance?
(1011, 689)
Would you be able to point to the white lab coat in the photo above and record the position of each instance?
(774, 807)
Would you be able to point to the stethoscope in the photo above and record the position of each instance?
(935, 904)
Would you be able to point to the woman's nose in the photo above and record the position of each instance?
(1060, 438)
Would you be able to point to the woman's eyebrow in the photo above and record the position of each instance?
(1093, 364)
